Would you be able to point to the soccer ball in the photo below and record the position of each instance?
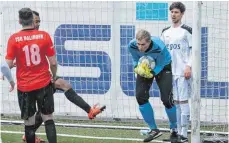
(146, 60)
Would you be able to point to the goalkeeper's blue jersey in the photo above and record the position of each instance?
(157, 51)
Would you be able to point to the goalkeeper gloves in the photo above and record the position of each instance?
(143, 70)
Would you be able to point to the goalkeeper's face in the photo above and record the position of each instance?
(143, 45)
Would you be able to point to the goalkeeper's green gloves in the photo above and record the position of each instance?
(143, 70)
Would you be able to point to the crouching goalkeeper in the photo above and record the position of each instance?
(152, 59)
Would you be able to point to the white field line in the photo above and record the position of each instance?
(85, 137)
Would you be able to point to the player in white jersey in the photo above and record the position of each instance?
(178, 40)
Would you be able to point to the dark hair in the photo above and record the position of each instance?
(177, 5)
(36, 13)
(26, 16)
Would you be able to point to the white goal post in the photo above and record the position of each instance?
(196, 72)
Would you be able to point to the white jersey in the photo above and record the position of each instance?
(179, 43)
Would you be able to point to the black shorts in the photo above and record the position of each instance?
(43, 97)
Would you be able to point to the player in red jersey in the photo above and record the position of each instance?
(70, 94)
(35, 54)
(61, 85)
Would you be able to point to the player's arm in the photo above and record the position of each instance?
(11, 52)
(5, 69)
(190, 59)
(187, 72)
(189, 37)
(162, 55)
(7, 73)
(8, 64)
(132, 48)
(133, 51)
(53, 65)
(51, 55)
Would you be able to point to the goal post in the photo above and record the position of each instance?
(196, 72)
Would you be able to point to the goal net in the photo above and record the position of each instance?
(214, 70)
(91, 41)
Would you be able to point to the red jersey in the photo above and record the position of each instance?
(30, 48)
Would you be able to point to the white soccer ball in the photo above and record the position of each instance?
(148, 61)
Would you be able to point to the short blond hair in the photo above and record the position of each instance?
(143, 34)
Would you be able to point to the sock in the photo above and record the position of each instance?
(50, 130)
(77, 100)
(185, 115)
(30, 134)
(178, 118)
(148, 115)
(38, 120)
(171, 113)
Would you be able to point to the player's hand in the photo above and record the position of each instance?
(148, 75)
(53, 78)
(139, 70)
(143, 70)
(187, 72)
(12, 85)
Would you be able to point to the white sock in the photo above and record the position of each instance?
(185, 116)
(178, 109)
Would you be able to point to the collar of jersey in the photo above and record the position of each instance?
(178, 26)
(28, 29)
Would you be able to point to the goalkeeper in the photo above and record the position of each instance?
(152, 59)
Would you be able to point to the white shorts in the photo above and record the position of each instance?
(181, 88)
